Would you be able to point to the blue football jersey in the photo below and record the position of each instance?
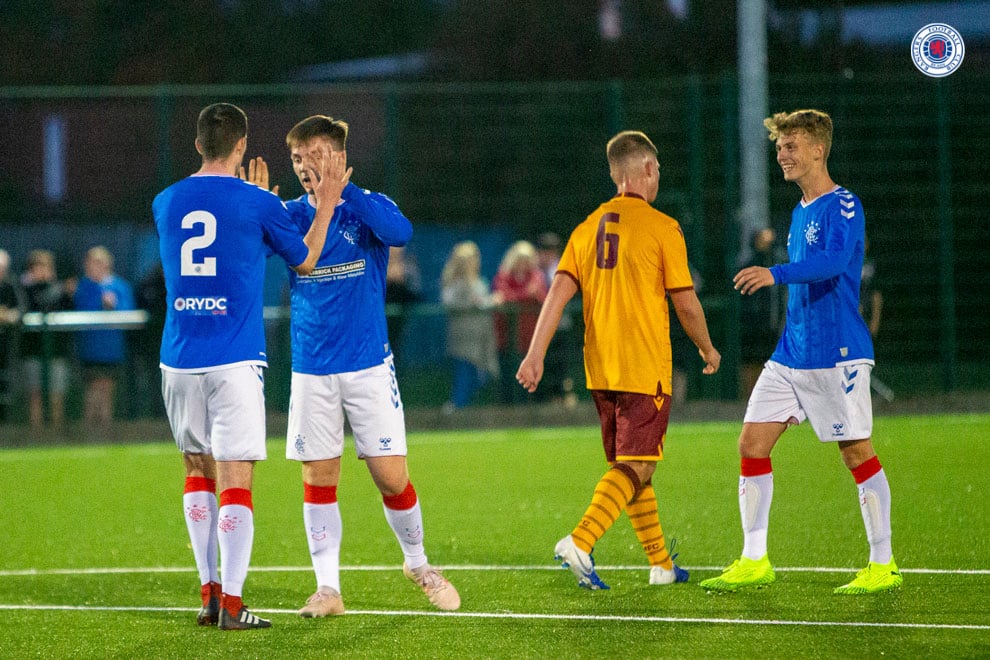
(338, 311)
(214, 235)
(825, 247)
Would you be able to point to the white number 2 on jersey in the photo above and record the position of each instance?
(207, 267)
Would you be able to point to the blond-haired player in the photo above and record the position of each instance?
(820, 370)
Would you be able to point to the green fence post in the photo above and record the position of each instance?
(730, 348)
(615, 107)
(947, 292)
(46, 365)
(164, 109)
(390, 149)
(696, 172)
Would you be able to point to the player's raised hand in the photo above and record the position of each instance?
(330, 173)
(257, 173)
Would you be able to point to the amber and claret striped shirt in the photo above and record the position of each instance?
(625, 257)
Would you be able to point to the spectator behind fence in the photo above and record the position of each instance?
(402, 288)
(102, 353)
(13, 304)
(556, 382)
(683, 350)
(151, 296)
(761, 315)
(871, 309)
(548, 255)
(48, 350)
(520, 287)
(470, 333)
(870, 295)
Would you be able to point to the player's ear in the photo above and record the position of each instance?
(199, 147)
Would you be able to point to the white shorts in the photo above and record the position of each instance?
(836, 401)
(218, 412)
(370, 398)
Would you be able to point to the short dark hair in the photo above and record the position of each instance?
(319, 126)
(628, 143)
(218, 129)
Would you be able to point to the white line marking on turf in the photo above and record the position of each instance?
(598, 618)
(460, 567)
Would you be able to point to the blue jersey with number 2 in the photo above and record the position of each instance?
(215, 233)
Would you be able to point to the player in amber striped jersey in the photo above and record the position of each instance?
(625, 259)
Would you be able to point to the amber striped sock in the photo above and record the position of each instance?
(642, 512)
(612, 494)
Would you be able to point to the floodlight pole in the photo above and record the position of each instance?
(754, 208)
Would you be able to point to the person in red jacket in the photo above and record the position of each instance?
(519, 288)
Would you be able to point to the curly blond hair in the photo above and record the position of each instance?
(817, 124)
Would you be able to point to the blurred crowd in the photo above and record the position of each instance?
(489, 325)
(34, 364)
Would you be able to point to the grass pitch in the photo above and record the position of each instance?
(95, 560)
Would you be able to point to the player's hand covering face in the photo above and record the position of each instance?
(306, 158)
(325, 172)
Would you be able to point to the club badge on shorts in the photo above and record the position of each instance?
(937, 50)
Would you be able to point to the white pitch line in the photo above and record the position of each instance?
(459, 567)
(597, 618)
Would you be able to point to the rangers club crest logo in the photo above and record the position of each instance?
(937, 50)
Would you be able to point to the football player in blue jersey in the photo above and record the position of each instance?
(821, 367)
(215, 232)
(342, 364)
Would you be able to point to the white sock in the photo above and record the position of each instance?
(407, 524)
(874, 503)
(200, 507)
(324, 531)
(236, 534)
(755, 496)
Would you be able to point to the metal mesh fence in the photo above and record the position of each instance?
(514, 160)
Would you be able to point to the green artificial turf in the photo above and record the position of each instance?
(95, 561)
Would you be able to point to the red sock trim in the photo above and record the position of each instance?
(866, 470)
(319, 494)
(755, 467)
(403, 501)
(240, 496)
(195, 484)
(208, 591)
(232, 604)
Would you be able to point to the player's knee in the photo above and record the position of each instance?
(758, 439)
(642, 469)
(321, 473)
(856, 452)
